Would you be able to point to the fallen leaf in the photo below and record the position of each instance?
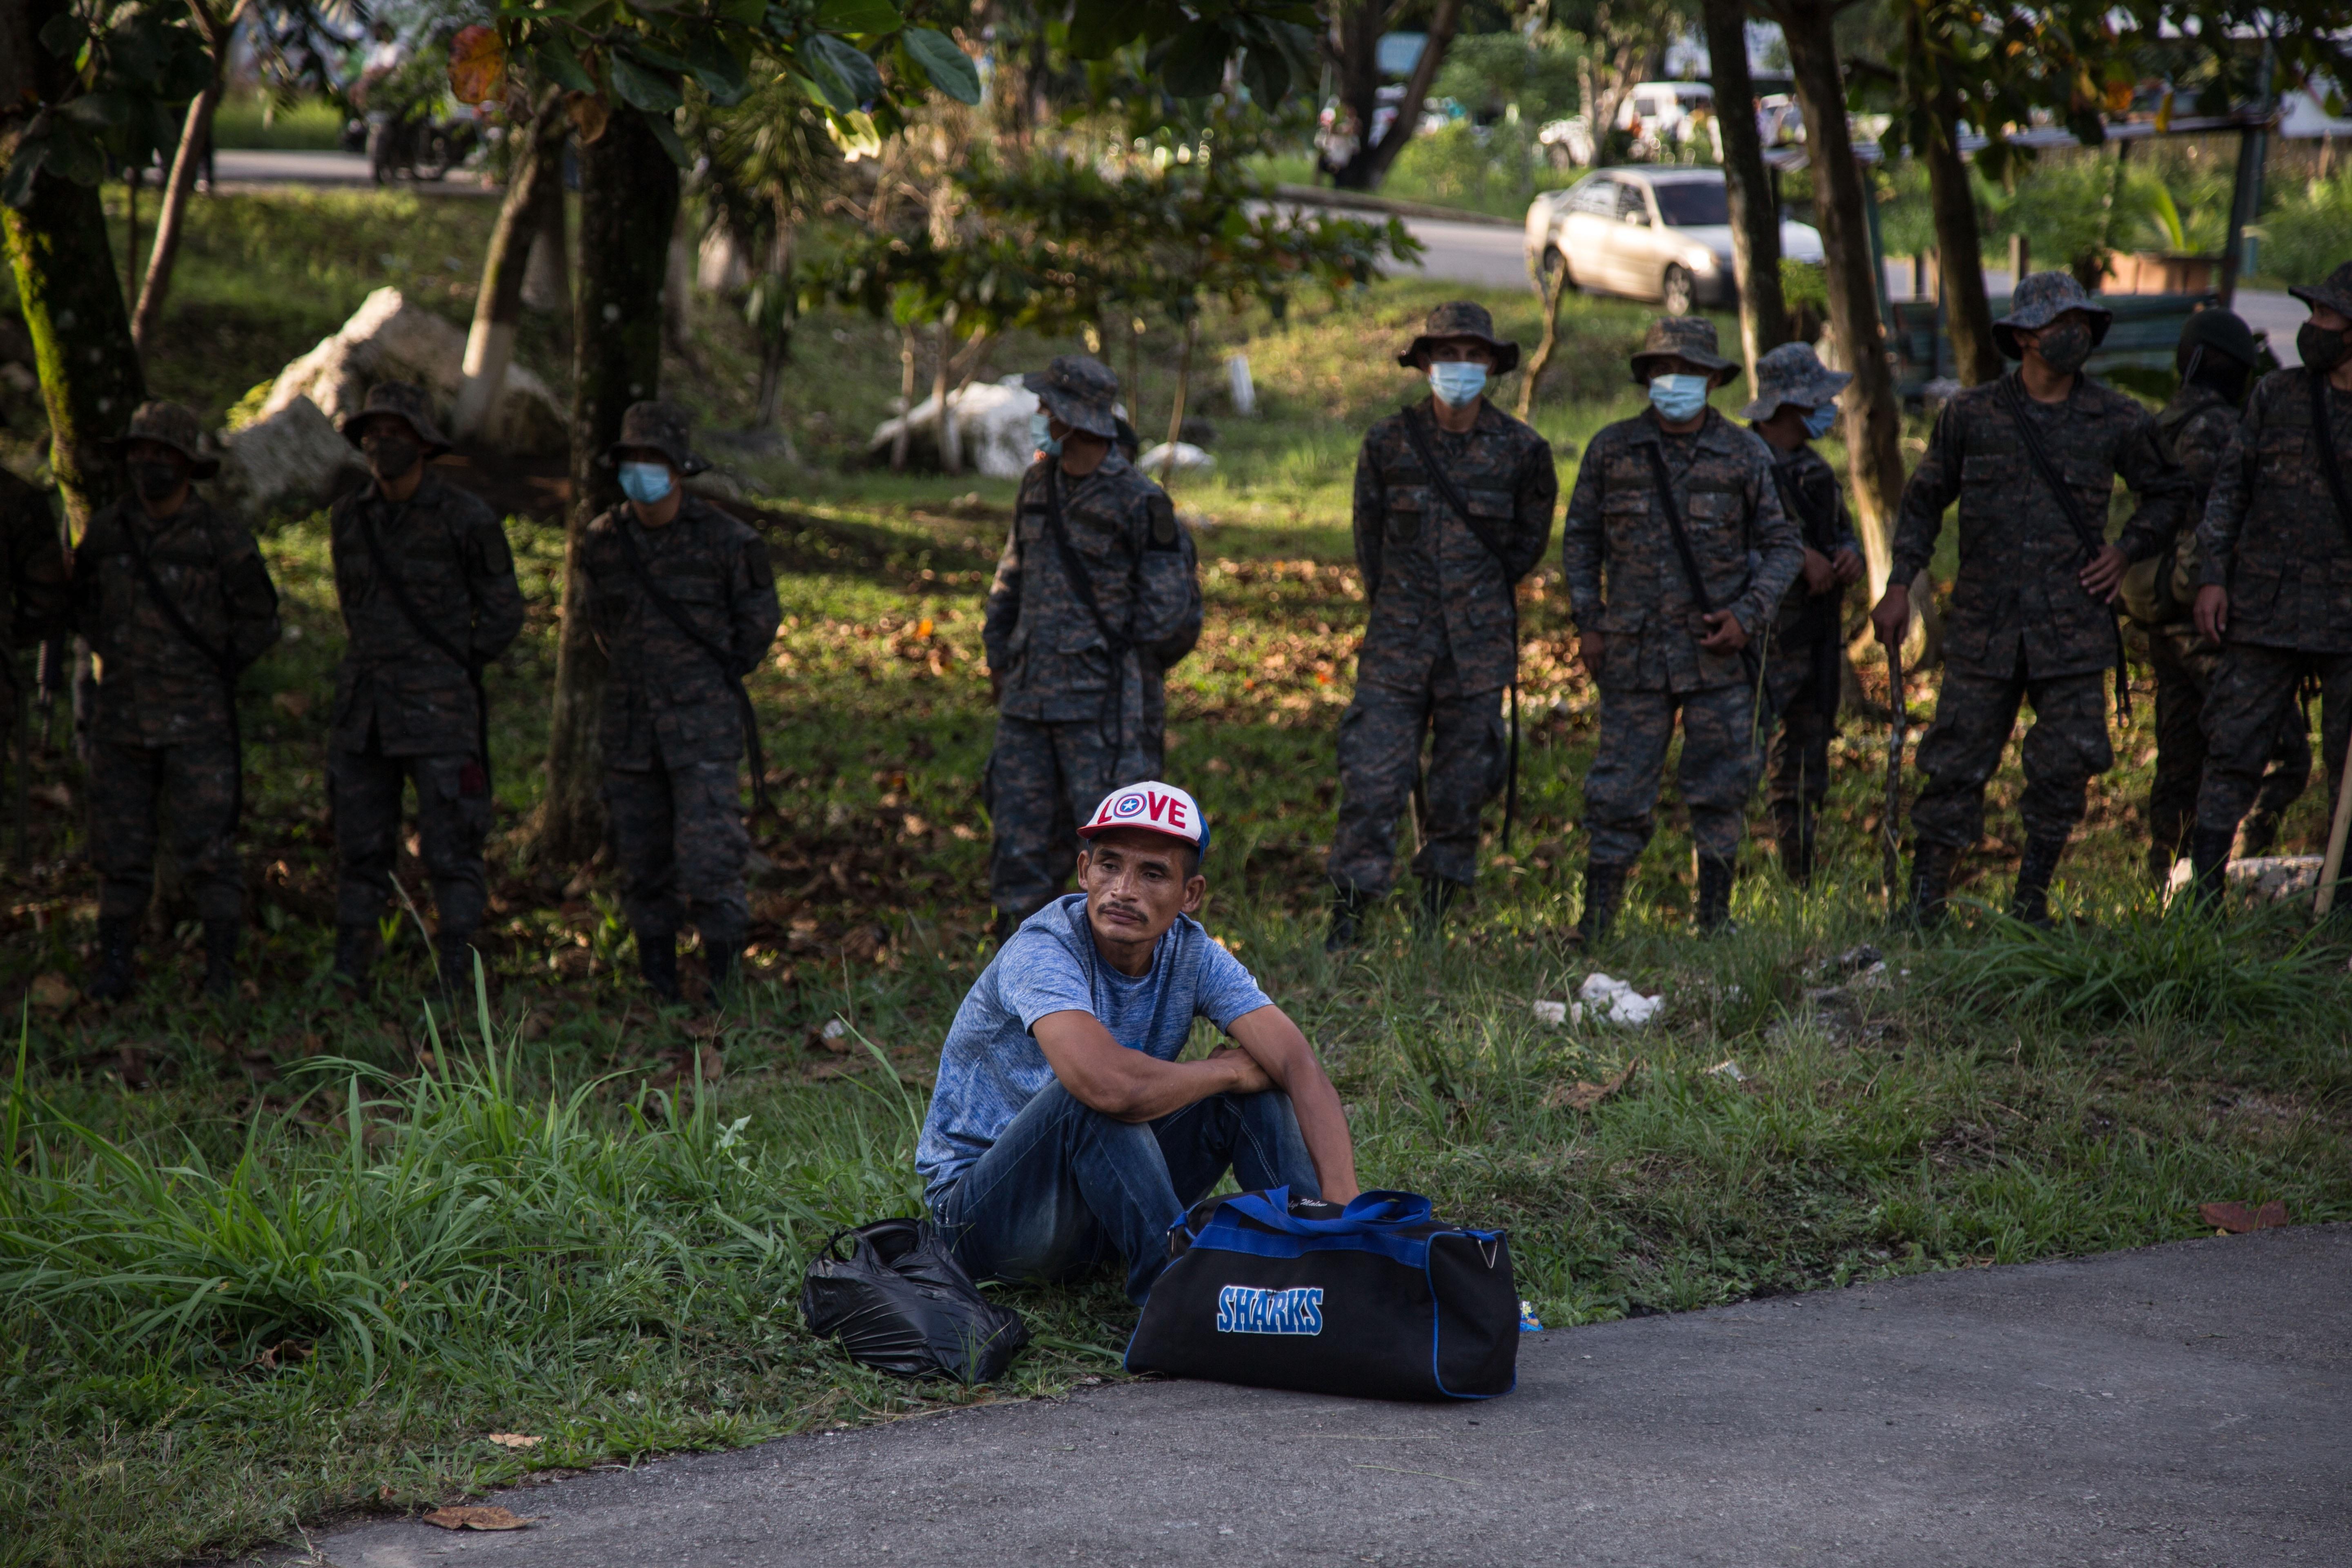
(478, 65)
(515, 1440)
(52, 993)
(293, 704)
(712, 1065)
(2237, 1219)
(54, 793)
(588, 114)
(474, 1518)
(1582, 1096)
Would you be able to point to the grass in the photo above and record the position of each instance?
(300, 1259)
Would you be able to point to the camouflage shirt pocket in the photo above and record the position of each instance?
(1406, 505)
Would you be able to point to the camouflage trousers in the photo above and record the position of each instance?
(2252, 699)
(1379, 762)
(1961, 751)
(1721, 760)
(451, 824)
(127, 786)
(679, 837)
(1044, 778)
(1797, 765)
(2182, 684)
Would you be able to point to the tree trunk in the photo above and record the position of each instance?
(677, 289)
(1183, 388)
(547, 276)
(1360, 28)
(195, 135)
(950, 441)
(1553, 280)
(1754, 217)
(900, 442)
(66, 283)
(498, 305)
(1959, 246)
(1874, 428)
(628, 207)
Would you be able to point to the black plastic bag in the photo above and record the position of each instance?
(901, 1303)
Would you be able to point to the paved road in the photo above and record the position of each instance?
(2186, 1404)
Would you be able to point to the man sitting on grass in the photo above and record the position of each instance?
(1063, 1129)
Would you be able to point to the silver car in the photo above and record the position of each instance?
(1661, 234)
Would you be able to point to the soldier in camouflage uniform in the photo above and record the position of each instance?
(174, 602)
(1795, 404)
(1647, 637)
(675, 714)
(2276, 555)
(427, 588)
(2216, 357)
(1097, 594)
(2032, 616)
(1442, 642)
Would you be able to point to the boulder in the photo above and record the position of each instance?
(991, 420)
(290, 461)
(388, 339)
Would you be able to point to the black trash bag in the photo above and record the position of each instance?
(901, 1303)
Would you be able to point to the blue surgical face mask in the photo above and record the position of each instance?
(1041, 434)
(1678, 397)
(645, 483)
(1819, 423)
(1456, 382)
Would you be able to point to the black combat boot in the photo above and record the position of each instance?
(657, 962)
(1931, 882)
(2030, 902)
(113, 982)
(221, 933)
(354, 955)
(2260, 832)
(1348, 908)
(1437, 896)
(2209, 856)
(1604, 894)
(1795, 830)
(454, 961)
(1716, 875)
(721, 962)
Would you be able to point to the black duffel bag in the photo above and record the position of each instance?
(1378, 1300)
(901, 1303)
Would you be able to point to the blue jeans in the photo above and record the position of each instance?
(1065, 1187)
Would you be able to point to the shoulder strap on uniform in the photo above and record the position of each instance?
(424, 629)
(1689, 558)
(2089, 538)
(636, 562)
(2323, 432)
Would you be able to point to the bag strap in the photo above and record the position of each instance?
(2089, 538)
(219, 658)
(2323, 432)
(725, 660)
(424, 629)
(1748, 659)
(1453, 498)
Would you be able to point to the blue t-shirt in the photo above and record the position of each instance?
(991, 1065)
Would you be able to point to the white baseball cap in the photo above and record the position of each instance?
(1154, 807)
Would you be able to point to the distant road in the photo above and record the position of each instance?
(245, 167)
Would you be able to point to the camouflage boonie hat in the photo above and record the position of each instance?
(1462, 318)
(172, 425)
(664, 427)
(1793, 374)
(1078, 390)
(2335, 293)
(2041, 300)
(1688, 338)
(400, 401)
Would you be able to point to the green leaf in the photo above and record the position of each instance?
(666, 134)
(101, 108)
(743, 12)
(1194, 63)
(643, 86)
(714, 66)
(73, 156)
(1098, 27)
(856, 17)
(949, 69)
(842, 72)
(1266, 75)
(555, 60)
(62, 36)
(16, 189)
